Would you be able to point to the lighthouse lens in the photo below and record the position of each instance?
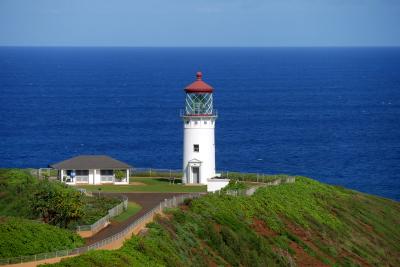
(199, 104)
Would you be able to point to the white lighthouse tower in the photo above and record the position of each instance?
(199, 119)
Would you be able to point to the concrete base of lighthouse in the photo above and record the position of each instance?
(193, 173)
(216, 184)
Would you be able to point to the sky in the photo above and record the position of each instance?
(199, 23)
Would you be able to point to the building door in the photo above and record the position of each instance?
(196, 175)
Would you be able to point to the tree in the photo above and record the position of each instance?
(57, 204)
(119, 174)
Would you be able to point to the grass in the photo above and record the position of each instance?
(132, 209)
(306, 223)
(147, 185)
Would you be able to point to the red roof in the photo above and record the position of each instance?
(199, 86)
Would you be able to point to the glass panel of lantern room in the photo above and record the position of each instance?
(198, 104)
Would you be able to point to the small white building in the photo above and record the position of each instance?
(199, 119)
(92, 170)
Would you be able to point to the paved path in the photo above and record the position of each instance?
(146, 200)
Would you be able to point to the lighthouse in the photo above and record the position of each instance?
(199, 117)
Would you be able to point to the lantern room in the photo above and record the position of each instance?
(199, 98)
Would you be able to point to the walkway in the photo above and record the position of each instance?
(146, 200)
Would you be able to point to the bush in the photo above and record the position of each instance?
(16, 187)
(25, 237)
(57, 203)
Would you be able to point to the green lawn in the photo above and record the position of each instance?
(132, 209)
(148, 185)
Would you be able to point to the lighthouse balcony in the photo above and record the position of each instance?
(184, 113)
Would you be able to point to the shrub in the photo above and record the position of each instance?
(25, 237)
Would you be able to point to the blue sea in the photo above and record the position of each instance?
(332, 114)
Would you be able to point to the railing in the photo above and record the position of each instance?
(252, 189)
(107, 178)
(184, 113)
(117, 210)
(167, 203)
(151, 172)
(251, 177)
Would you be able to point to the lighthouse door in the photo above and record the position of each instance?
(196, 175)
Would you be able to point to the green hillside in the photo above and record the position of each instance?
(20, 237)
(305, 224)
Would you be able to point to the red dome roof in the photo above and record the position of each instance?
(199, 86)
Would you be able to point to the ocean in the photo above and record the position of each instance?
(332, 114)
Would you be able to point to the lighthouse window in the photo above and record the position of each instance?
(196, 148)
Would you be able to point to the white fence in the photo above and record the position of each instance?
(250, 191)
(117, 210)
(167, 203)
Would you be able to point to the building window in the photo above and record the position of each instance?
(82, 172)
(106, 172)
(82, 176)
(106, 175)
(196, 148)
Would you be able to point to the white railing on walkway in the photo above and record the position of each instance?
(117, 210)
(167, 203)
(252, 189)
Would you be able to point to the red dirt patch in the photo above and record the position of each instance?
(303, 259)
(353, 256)
(299, 232)
(306, 237)
(184, 207)
(217, 227)
(261, 228)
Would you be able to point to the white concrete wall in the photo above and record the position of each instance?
(97, 178)
(216, 184)
(199, 130)
(91, 176)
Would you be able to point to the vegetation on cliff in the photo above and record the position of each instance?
(25, 237)
(23, 195)
(306, 223)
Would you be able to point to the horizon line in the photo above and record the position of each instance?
(128, 46)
